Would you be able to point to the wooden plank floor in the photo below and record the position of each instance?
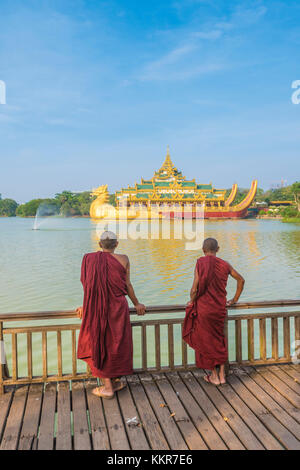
(258, 409)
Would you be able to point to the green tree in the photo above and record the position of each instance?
(281, 194)
(30, 208)
(259, 195)
(84, 202)
(240, 195)
(65, 196)
(69, 210)
(295, 188)
(74, 203)
(8, 207)
(287, 212)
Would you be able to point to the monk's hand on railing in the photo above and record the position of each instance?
(79, 311)
(189, 303)
(140, 309)
(231, 302)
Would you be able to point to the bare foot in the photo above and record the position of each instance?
(103, 392)
(210, 380)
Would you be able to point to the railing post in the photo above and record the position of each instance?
(2, 359)
(250, 326)
(286, 338)
(59, 354)
(29, 355)
(262, 339)
(297, 328)
(274, 323)
(4, 373)
(171, 345)
(144, 347)
(297, 336)
(157, 347)
(14, 347)
(74, 357)
(238, 341)
(44, 355)
(227, 367)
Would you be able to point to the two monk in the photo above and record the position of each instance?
(207, 311)
(105, 339)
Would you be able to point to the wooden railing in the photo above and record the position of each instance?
(253, 338)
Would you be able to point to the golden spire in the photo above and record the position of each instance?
(168, 164)
(167, 169)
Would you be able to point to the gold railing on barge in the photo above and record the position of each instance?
(254, 338)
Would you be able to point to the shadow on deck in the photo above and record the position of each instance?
(259, 408)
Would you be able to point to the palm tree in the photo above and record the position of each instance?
(65, 196)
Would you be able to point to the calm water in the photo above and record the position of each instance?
(40, 270)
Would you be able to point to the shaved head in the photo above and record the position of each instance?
(108, 240)
(210, 245)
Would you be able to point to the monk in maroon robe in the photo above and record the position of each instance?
(105, 339)
(207, 311)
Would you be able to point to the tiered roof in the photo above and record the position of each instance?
(168, 183)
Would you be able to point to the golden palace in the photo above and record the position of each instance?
(169, 194)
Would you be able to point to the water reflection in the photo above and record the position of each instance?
(41, 270)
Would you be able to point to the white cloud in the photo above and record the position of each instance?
(163, 68)
(173, 56)
(57, 122)
(179, 73)
(214, 34)
(247, 16)
(183, 61)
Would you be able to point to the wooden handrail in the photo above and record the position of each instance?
(275, 331)
(149, 310)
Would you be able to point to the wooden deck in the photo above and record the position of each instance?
(259, 408)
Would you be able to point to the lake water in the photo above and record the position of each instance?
(40, 270)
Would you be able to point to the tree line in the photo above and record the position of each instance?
(66, 203)
(69, 204)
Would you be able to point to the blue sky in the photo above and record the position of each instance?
(96, 90)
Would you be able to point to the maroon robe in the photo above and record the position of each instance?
(105, 339)
(204, 323)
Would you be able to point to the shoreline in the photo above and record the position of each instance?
(41, 217)
(269, 217)
(291, 220)
(282, 219)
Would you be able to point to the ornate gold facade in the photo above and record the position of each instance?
(168, 186)
(167, 194)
